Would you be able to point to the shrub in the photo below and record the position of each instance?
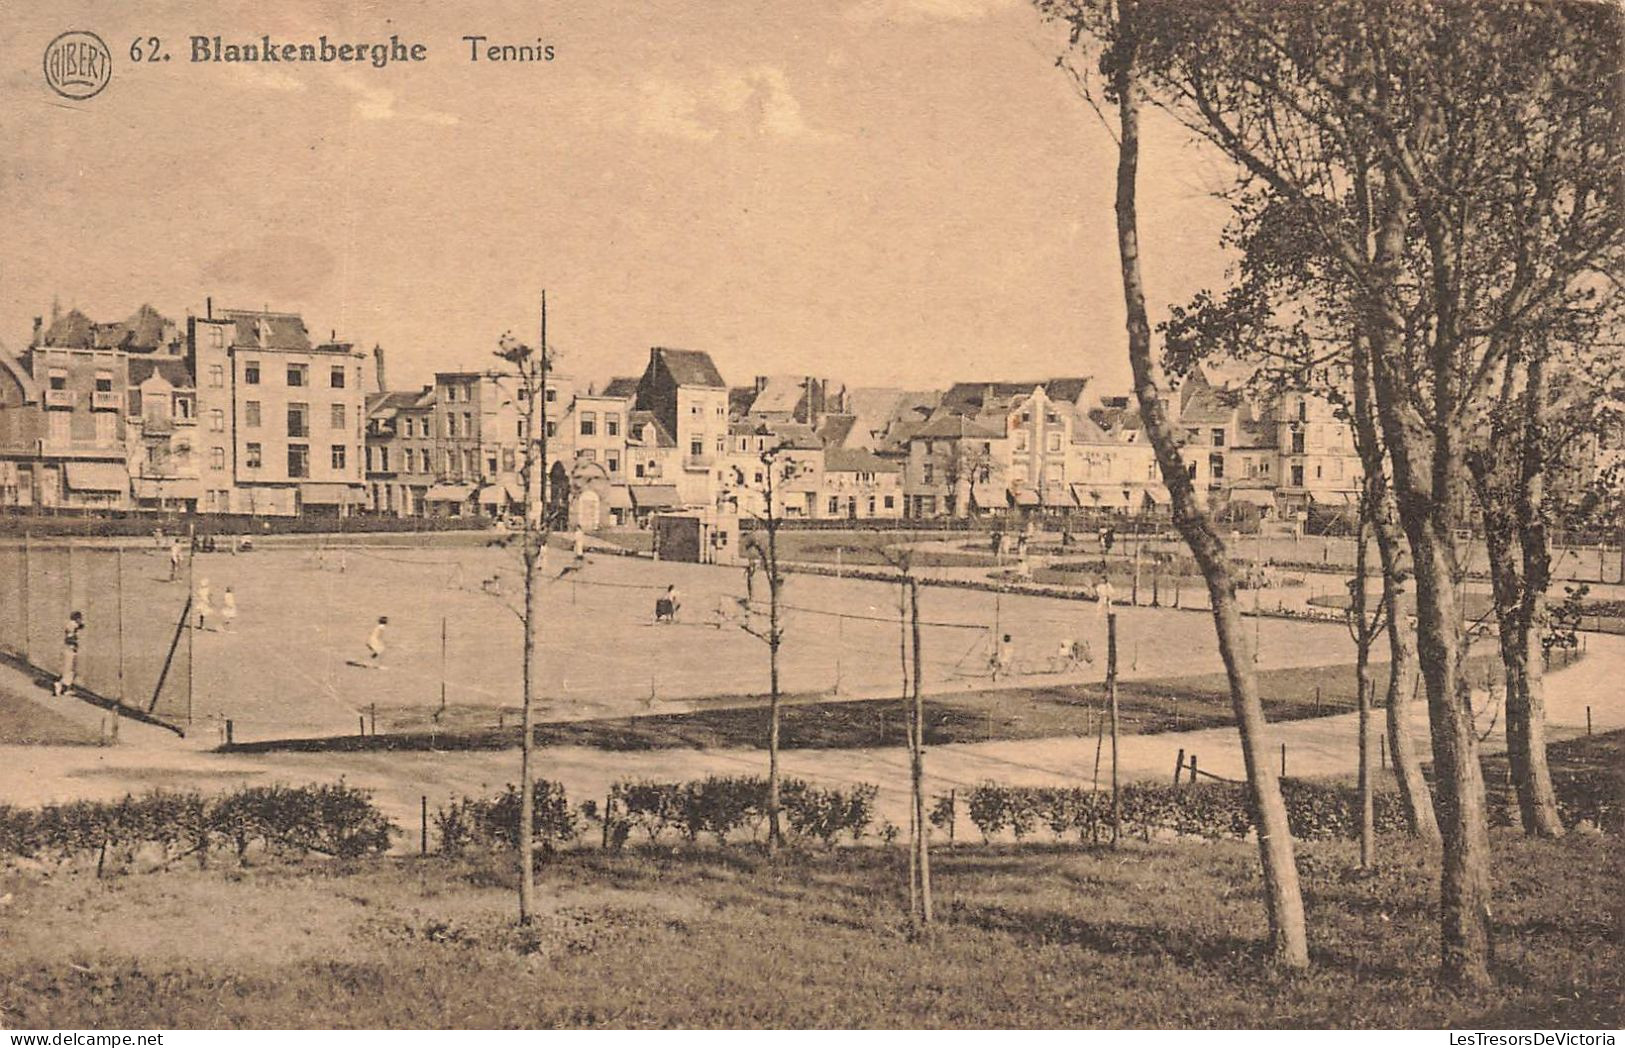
(494, 822)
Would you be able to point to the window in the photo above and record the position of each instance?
(337, 456)
(552, 428)
(251, 372)
(1215, 466)
(183, 406)
(251, 414)
(722, 444)
(217, 421)
(1318, 471)
(1297, 442)
(1190, 470)
(450, 462)
(1303, 410)
(930, 473)
(834, 507)
(468, 424)
(612, 423)
(104, 382)
(491, 463)
(519, 430)
(217, 458)
(296, 374)
(468, 461)
(217, 376)
(335, 377)
(383, 460)
(891, 502)
(612, 460)
(1218, 438)
(451, 425)
(1192, 436)
(337, 420)
(552, 395)
(59, 379)
(637, 469)
(217, 336)
(696, 448)
(1021, 440)
(586, 455)
(1297, 476)
(298, 420)
(298, 460)
(589, 423)
(1054, 441)
(253, 455)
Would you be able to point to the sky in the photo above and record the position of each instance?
(889, 192)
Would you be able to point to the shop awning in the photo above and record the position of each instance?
(1058, 497)
(500, 494)
(655, 496)
(98, 476)
(450, 493)
(616, 496)
(1329, 498)
(326, 494)
(1155, 497)
(1024, 496)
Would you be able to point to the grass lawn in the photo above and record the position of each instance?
(1154, 935)
(25, 722)
(1145, 706)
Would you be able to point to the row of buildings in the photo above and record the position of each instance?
(246, 412)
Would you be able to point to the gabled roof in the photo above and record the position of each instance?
(797, 436)
(13, 367)
(282, 330)
(639, 419)
(625, 386)
(953, 426)
(71, 330)
(779, 395)
(173, 370)
(835, 430)
(856, 460)
(386, 404)
(971, 398)
(740, 398)
(689, 367)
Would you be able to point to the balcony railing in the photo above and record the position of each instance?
(107, 400)
(59, 398)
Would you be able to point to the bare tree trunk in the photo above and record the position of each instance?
(1402, 686)
(775, 829)
(1427, 466)
(922, 845)
(1537, 800)
(1283, 898)
(1362, 685)
(534, 537)
(1401, 698)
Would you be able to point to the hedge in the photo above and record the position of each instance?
(336, 820)
(719, 806)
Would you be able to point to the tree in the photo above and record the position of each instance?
(1118, 28)
(908, 643)
(1410, 112)
(1288, 315)
(776, 469)
(529, 367)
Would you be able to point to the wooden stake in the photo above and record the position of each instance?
(423, 824)
(1111, 697)
(1179, 765)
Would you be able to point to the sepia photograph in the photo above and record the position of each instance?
(1042, 515)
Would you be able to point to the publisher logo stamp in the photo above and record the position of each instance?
(78, 65)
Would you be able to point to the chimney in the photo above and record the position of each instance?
(378, 366)
(208, 308)
(39, 330)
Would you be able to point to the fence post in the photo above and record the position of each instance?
(423, 824)
(1588, 720)
(229, 739)
(118, 590)
(1382, 751)
(361, 725)
(1111, 696)
(1179, 765)
(1283, 760)
(372, 717)
(1193, 769)
(953, 814)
